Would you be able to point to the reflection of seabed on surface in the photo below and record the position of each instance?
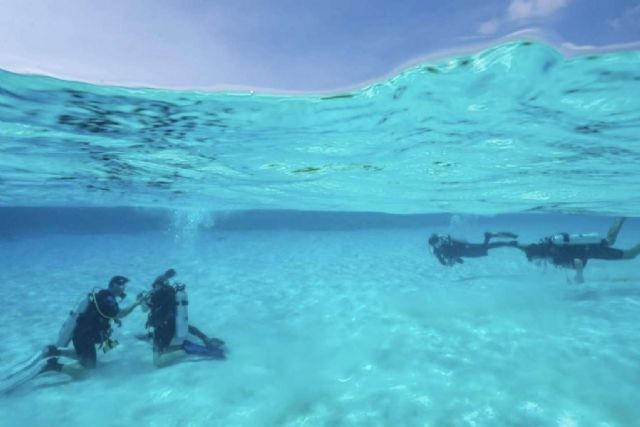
(433, 138)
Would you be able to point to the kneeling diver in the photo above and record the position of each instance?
(87, 327)
(167, 305)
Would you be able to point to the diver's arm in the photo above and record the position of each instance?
(440, 257)
(124, 312)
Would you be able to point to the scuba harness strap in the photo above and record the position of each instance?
(107, 343)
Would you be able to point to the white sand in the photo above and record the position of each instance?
(359, 328)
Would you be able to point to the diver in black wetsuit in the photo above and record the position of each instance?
(163, 303)
(561, 252)
(92, 328)
(450, 251)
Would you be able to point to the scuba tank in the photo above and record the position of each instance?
(182, 316)
(66, 332)
(577, 239)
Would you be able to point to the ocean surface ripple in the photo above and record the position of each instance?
(514, 128)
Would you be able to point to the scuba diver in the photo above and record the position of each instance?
(88, 326)
(167, 305)
(574, 250)
(450, 251)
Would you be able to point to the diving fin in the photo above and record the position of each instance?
(211, 352)
(27, 364)
(214, 343)
(26, 374)
(48, 352)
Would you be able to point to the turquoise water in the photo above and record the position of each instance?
(299, 225)
(513, 128)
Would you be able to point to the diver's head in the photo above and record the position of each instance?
(433, 239)
(437, 240)
(163, 279)
(117, 286)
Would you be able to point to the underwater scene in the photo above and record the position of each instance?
(456, 245)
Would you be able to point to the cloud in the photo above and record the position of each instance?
(520, 11)
(629, 17)
(526, 9)
(489, 27)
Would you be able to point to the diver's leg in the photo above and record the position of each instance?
(631, 253)
(168, 356)
(75, 370)
(511, 243)
(612, 234)
(502, 234)
(147, 336)
(579, 266)
(69, 353)
(522, 247)
(207, 341)
(85, 354)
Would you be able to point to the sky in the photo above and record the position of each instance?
(282, 45)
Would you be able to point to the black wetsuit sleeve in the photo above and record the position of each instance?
(440, 257)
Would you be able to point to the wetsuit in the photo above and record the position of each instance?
(563, 255)
(162, 318)
(93, 328)
(162, 315)
(451, 251)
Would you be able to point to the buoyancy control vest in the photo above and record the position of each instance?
(93, 314)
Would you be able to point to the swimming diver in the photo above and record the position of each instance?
(450, 251)
(88, 326)
(573, 251)
(167, 305)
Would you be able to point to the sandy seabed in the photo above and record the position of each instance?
(343, 328)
